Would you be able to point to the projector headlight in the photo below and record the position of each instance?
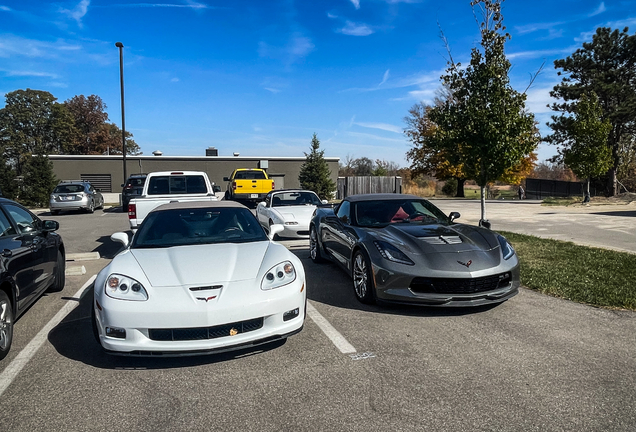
(278, 276)
(124, 288)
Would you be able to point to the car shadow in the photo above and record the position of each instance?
(73, 338)
(631, 213)
(108, 248)
(337, 290)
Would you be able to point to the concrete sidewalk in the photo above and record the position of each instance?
(604, 226)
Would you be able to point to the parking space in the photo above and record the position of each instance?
(531, 363)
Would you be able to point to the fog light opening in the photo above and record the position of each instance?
(291, 314)
(115, 332)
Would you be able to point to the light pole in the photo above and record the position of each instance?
(123, 118)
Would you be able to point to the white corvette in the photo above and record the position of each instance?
(197, 278)
(291, 208)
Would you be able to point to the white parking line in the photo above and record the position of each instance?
(8, 375)
(338, 340)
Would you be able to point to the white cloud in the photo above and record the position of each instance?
(297, 48)
(537, 100)
(538, 53)
(599, 10)
(354, 29)
(175, 79)
(530, 28)
(381, 126)
(272, 90)
(28, 73)
(356, 3)
(385, 77)
(78, 12)
(15, 46)
(5, 8)
(188, 5)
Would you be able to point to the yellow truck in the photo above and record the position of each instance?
(248, 184)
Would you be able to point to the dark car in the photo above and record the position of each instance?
(132, 189)
(402, 249)
(33, 261)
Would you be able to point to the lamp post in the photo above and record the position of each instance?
(123, 118)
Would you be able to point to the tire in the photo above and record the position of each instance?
(227, 195)
(91, 208)
(60, 274)
(314, 246)
(363, 286)
(6, 324)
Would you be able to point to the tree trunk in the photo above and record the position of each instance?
(460, 188)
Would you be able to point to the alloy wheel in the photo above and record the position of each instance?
(360, 275)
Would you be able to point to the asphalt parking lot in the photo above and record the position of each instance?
(531, 363)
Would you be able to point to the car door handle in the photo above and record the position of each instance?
(6, 253)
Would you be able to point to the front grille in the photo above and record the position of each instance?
(459, 286)
(203, 333)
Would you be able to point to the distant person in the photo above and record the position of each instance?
(522, 193)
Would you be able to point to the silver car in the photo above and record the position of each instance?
(75, 195)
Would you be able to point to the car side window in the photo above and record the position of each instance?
(343, 212)
(6, 228)
(25, 221)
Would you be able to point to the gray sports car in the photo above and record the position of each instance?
(402, 249)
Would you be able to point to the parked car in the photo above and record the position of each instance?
(249, 185)
(132, 189)
(33, 260)
(197, 278)
(75, 195)
(402, 249)
(169, 186)
(291, 208)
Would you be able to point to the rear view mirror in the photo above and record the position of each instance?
(275, 229)
(120, 237)
(51, 225)
(453, 216)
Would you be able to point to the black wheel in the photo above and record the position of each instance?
(60, 274)
(91, 207)
(6, 324)
(314, 246)
(55, 212)
(227, 195)
(363, 286)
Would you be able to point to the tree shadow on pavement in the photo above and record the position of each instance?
(631, 213)
(73, 338)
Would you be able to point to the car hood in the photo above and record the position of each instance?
(200, 264)
(435, 239)
(291, 213)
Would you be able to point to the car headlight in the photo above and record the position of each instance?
(124, 288)
(390, 252)
(506, 248)
(278, 276)
(291, 223)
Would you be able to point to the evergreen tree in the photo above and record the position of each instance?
(39, 181)
(314, 173)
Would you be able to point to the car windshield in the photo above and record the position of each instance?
(295, 198)
(193, 226)
(136, 182)
(383, 213)
(70, 188)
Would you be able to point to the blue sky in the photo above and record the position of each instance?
(260, 77)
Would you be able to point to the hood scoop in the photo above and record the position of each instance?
(442, 240)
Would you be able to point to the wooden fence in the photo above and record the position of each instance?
(368, 184)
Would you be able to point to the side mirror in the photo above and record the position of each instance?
(453, 216)
(484, 223)
(122, 185)
(51, 225)
(324, 202)
(226, 179)
(216, 188)
(120, 237)
(275, 229)
(262, 204)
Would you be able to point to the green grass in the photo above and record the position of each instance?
(598, 277)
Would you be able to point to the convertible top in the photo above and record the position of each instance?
(199, 204)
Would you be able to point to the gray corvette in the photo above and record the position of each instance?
(402, 249)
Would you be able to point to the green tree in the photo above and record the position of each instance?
(8, 184)
(32, 123)
(486, 122)
(114, 141)
(587, 153)
(314, 173)
(607, 67)
(39, 181)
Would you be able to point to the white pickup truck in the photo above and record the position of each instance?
(169, 186)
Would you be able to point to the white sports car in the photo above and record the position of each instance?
(198, 278)
(291, 208)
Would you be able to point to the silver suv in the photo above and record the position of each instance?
(75, 195)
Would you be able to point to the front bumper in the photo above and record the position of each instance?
(300, 231)
(164, 313)
(397, 286)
